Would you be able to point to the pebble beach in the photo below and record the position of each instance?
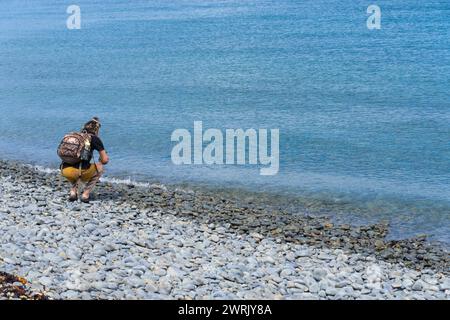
(168, 242)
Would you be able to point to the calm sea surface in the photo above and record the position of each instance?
(364, 115)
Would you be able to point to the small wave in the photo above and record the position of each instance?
(127, 181)
(44, 169)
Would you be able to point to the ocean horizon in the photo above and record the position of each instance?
(363, 114)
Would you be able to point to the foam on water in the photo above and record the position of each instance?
(114, 180)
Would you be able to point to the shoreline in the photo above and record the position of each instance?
(156, 241)
(401, 214)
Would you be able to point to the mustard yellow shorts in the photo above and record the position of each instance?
(73, 174)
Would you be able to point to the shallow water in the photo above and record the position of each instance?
(363, 115)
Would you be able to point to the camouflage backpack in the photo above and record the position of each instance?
(75, 147)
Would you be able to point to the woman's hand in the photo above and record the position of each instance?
(103, 157)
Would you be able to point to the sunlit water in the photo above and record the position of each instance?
(363, 114)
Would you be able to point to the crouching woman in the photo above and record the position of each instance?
(85, 171)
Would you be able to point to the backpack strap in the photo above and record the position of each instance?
(90, 147)
(85, 134)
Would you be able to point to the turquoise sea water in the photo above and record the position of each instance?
(364, 115)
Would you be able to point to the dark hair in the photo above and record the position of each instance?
(92, 126)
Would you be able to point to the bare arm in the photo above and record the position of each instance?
(104, 159)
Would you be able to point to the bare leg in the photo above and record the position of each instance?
(74, 191)
(91, 184)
